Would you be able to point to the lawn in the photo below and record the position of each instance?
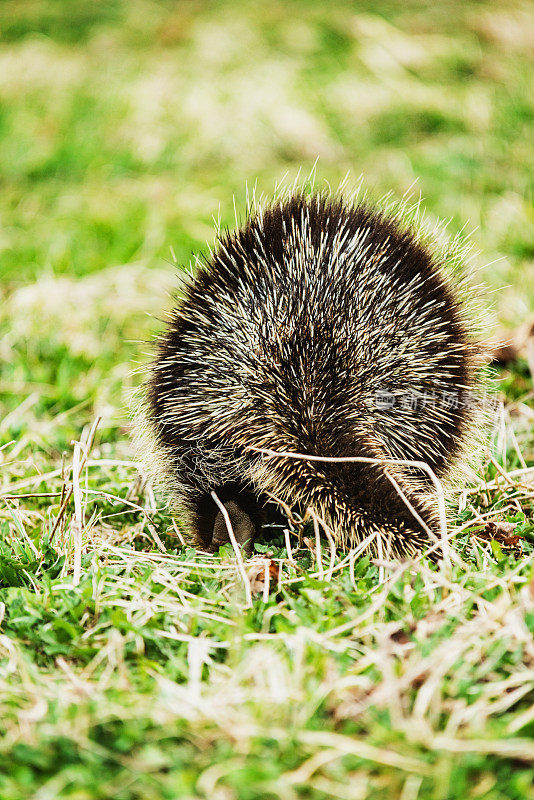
(132, 666)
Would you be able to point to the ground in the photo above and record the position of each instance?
(132, 666)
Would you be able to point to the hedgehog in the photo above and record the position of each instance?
(320, 328)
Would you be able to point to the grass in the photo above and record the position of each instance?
(131, 666)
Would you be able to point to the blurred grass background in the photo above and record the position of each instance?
(124, 125)
(126, 128)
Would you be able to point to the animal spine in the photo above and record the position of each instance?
(324, 328)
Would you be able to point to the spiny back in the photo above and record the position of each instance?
(320, 328)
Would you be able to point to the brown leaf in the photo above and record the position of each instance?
(400, 636)
(256, 574)
(309, 544)
(502, 532)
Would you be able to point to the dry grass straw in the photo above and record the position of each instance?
(231, 700)
(101, 541)
(447, 553)
(77, 467)
(266, 694)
